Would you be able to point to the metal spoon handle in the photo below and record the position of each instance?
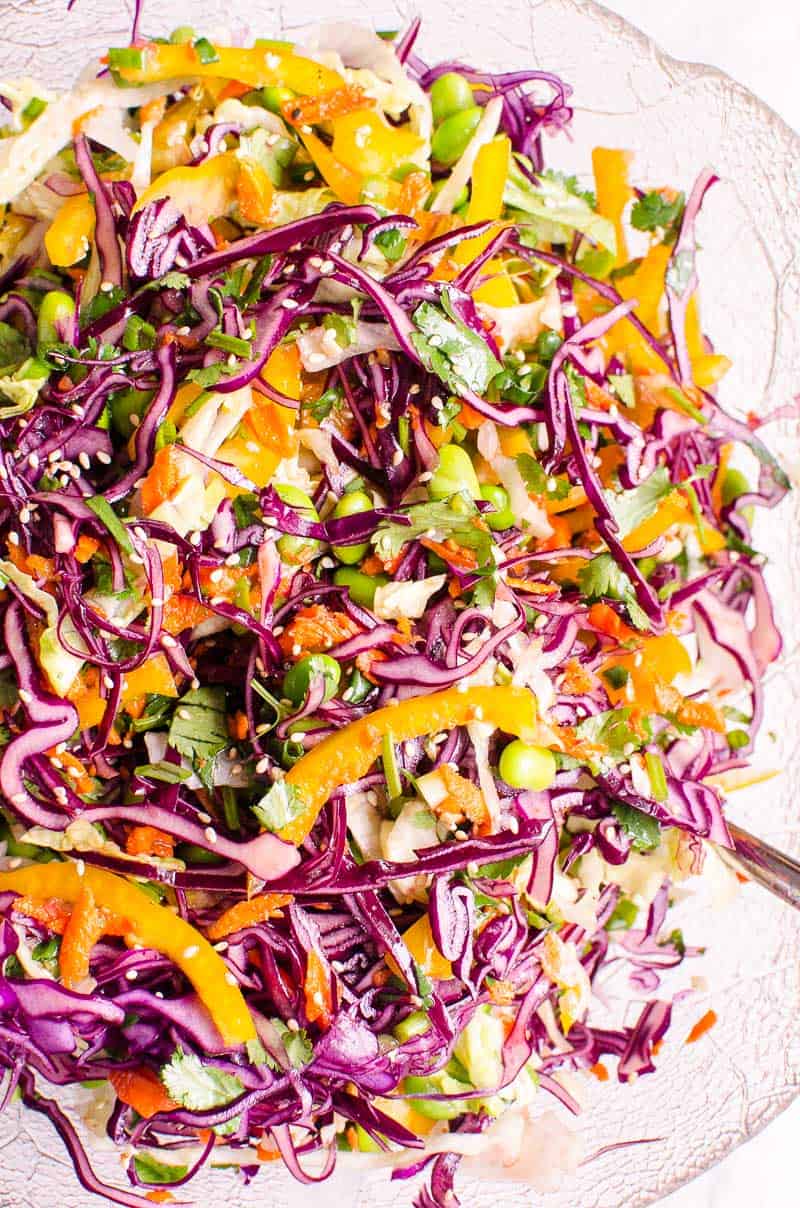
(773, 869)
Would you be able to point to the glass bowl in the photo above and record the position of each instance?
(706, 1098)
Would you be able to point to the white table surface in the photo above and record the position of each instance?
(759, 45)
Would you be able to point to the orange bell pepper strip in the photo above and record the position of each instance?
(163, 478)
(314, 630)
(605, 619)
(254, 193)
(183, 612)
(151, 926)
(68, 237)
(659, 660)
(86, 547)
(317, 987)
(418, 938)
(707, 367)
(349, 753)
(247, 914)
(345, 183)
(257, 66)
(141, 1089)
(149, 841)
(613, 190)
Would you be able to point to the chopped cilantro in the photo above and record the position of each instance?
(448, 348)
(655, 212)
(643, 831)
(299, 1048)
(632, 508)
(279, 806)
(612, 732)
(537, 481)
(441, 520)
(198, 728)
(196, 1086)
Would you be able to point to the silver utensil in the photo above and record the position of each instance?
(773, 869)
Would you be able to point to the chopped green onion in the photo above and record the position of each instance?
(205, 51)
(680, 400)
(34, 107)
(169, 773)
(126, 57)
(108, 517)
(658, 779)
(234, 344)
(390, 769)
(230, 805)
(616, 677)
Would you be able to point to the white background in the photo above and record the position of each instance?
(759, 44)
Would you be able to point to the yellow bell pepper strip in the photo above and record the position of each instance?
(419, 941)
(646, 284)
(71, 231)
(707, 367)
(284, 373)
(486, 200)
(346, 184)
(202, 192)
(349, 753)
(153, 926)
(675, 509)
(613, 190)
(257, 66)
(366, 143)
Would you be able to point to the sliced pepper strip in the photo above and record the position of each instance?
(613, 190)
(345, 183)
(153, 926)
(257, 66)
(349, 753)
(486, 201)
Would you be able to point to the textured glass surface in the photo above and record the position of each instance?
(708, 1097)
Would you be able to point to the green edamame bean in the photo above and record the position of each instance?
(547, 344)
(455, 472)
(55, 313)
(525, 766)
(273, 96)
(450, 140)
(351, 504)
(297, 549)
(438, 1109)
(734, 484)
(450, 94)
(125, 405)
(298, 678)
(502, 517)
(361, 587)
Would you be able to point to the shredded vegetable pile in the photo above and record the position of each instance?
(380, 615)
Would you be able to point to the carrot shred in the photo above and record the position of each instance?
(141, 1089)
(246, 914)
(599, 1070)
(149, 841)
(311, 110)
(314, 630)
(704, 1024)
(317, 986)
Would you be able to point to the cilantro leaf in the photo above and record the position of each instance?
(150, 1170)
(643, 830)
(572, 186)
(441, 521)
(156, 713)
(196, 1086)
(169, 773)
(279, 806)
(209, 376)
(299, 1048)
(632, 508)
(198, 728)
(538, 481)
(447, 347)
(258, 1055)
(171, 280)
(612, 731)
(654, 212)
(603, 577)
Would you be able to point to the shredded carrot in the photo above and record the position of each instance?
(413, 192)
(163, 478)
(311, 110)
(183, 612)
(463, 797)
(316, 629)
(159, 1196)
(246, 914)
(52, 913)
(365, 660)
(234, 88)
(604, 618)
(599, 1070)
(238, 726)
(141, 1089)
(87, 924)
(319, 1002)
(450, 551)
(149, 841)
(704, 1024)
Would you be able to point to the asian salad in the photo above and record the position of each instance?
(381, 620)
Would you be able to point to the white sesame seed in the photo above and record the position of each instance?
(157, 601)
(108, 682)
(25, 696)
(289, 304)
(80, 868)
(230, 979)
(215, 601)
(134, 420)
(56, 763)
(33, 461)
(84, 459)
(61, 748)
(397, 457)
(293, 1025)
(13, 538)
(222, 946)
(210, 834)
(195, 538)
(104, 458)
(132, 974)
(232, 560)
(77, 410)
(191, 951)
(262, 766)
(168, 641)
(24, 515)
(54, 456)
(216, 575)
(184, 714)
(203, 817)
(296, 649)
